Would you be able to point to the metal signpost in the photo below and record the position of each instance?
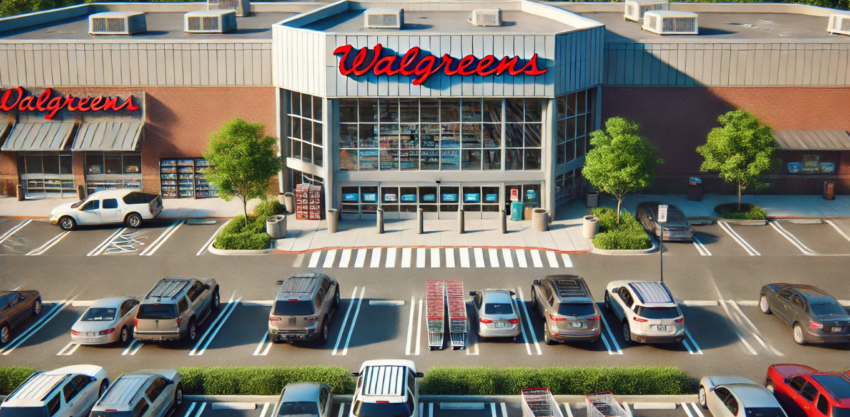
(662, 218)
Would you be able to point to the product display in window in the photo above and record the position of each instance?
(203, 189)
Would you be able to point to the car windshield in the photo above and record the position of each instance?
(157, 311)
(827, 309)
(293, 308)
(583, 309)
(657, 312)
(362, 409)
(81, 202)
(498, 308)
(765, 412)
(840, 412)
(23, 412)
(675, 218)
(299, 408)
(99, 314)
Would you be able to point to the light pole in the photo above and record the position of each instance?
(662, 218)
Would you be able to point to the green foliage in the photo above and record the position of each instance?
(238, 234)
(628, 234)
(740, 151)
(261, 380)
(621, 160)
(11, 377)
(268, 208)
(245, 161)
(747, 212)
(479, 380)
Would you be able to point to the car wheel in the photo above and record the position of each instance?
(67, 223)
(702, 399)
(125, 335)
(323, 339)
(103, 386)
(336, 299)
(193, 330)
(764, 304)
(178, 397)
(546, 337)
(533, 300)
(799, 335)
(608, 302)
(5, 334)
(36, 307)
(216, 300)
(134, 221)
(627, 332)
(770, 387)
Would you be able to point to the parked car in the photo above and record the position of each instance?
(303, 308)
(174, 309)
(734, 396)
(127, 206)
(805, 392)
(305, 399)
(15, 307)
(567, 308)
(496, 313)
(676, 228)
(147, 393)
(814, 315)
(107, 320)
(65, 392)
(386, 388)
(647, 311)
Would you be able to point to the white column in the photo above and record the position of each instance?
(550, 161)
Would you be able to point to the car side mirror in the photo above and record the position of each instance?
(536, 282)
(473, 293)
(420, 375)
(512, 293)
(357, 374)
(207, 286)
(93, 379)
(280, 282)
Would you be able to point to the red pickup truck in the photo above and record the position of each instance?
(806, 392)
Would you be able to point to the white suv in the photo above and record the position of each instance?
(71, 391)
(386, 388)
(109, 206)
(648, 311)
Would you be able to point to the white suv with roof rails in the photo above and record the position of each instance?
(386, 388)
(71, 391)
(648, 311)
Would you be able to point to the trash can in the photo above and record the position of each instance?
(19, 191)
(829, 190)
(281, 226)
(273, 228)
(590, 226)
(592, 199)
(516, 210)
(289, 202)
(539, 220)
(332, 220)
(695, 189)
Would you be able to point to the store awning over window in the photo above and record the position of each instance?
(39, 136)
(108, 136)
(812, 140)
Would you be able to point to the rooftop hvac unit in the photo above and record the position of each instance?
(839, 24)
(212, 21)
(486, 17)
(668, 22)
(242, 7)
(635, 9)
(384, 18)
(117, 23)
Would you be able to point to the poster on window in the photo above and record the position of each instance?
(810, 164)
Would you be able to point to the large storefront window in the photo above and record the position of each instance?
(46, 173)
(575, 122)
(452, 134)
(112, 170)
(402, 201)
(568, 186)
(305, 128)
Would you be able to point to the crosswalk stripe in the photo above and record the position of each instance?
(390, 258)
(345, 258)
(329, 259)
(420, 257)
(553, 260)
(520, 258)
(376, 258)
(479, 257)
(450, 258)
(535, 258)
(464, 257)
(435, 257)
(314, 259)
(494, 258)
(509, 261)
(361, 258)
(405, 257)
(567, 262)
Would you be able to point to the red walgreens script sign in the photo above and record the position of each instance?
(430, 65)
(51, 106)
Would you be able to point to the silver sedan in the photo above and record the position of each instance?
(496, 313)
(108, 320)
(734, 396)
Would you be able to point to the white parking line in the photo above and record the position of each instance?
(687, 410)
(35, 327)
(390, 258)
(189, 411)
(259, 351)
(435, 257)
(345, 258)
(738, 328)
(493, 410)
(506, 255)
(701, 248)
(755, 331)
(150, 250)
(329, 259)
(419, 328)
(298, 261)
(68, 350)
(376, 258)
(430, 409)
(607, 345)
(614, 344)
(215, 326)
(50, 243)
(494, 258)
(528, 320)
(568, 263)
(410, 325)
(360, 260)
(553, 260)
(201, 410)
(838, 229)
(450, 258)
(520, 258)
(535, 259)
(210, 241)
(791, 238)
(568, 409)
(353, 321)
(314, 259)
(479, 257)
(345, 320)
(735, 236)
(134, 347)
(342, 409)
(420, 257)
(265, 409)
(697, 350)
(102, 247)
(464, 257)
(406, 255)
(697, 410)
(504, 410)
(14, 229)
(522, 328)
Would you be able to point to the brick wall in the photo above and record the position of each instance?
(677, 120)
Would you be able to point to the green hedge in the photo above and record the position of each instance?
(479, 380)
(629, 234)
(261, 380)
(11, 377)
(236, 236)
(747, 212)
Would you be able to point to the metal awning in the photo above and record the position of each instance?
(812, 140)
(108, 136)
(39, 136)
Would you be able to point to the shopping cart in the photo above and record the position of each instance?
(605, 405)
(434, 302)
(458, 324)
(539, 402)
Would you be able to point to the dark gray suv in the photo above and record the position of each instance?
(565, 303)
(302, 308)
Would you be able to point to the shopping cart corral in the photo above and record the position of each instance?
(605, 405)
(434, 303)
(539, 402)
(438, 293)
(458, 324)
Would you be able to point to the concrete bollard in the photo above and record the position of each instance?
(19, 192)
(420, 214)
(503, 222)
(461, 225)
(380, 225)
(332, 220)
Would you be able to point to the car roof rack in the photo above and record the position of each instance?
(569, 287)
(384, 380)
(169, 288)
(299, 284)
(652, 292)
(38, 387)
(125, 389)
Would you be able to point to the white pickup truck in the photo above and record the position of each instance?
(110, 206)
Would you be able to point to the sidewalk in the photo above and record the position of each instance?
(776, 206)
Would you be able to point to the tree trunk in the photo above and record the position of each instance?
(619, 205)
(245, 210)
(739, 196)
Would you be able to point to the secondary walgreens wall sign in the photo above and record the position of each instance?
(411, 64)
(16, 99)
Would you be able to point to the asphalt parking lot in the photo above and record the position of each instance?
(381, 313)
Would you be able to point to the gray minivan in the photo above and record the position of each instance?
(148, 393)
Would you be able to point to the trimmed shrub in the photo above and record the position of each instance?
(268, 208)
(261, 380)
(479, 380)
(629, 234)
(747, 212)
(236, 236)
(13, 376)
(243, 241)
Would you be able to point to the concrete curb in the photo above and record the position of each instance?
(629, 252)
(226, 252)
(631, 399)
(746, 222)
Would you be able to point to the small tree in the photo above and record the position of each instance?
(740, 150)
(244, 159)
(621, 160)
